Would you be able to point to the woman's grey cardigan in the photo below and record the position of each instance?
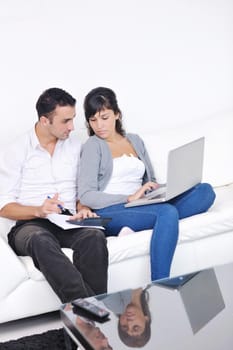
(96, 168)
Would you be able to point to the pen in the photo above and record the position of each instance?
(59, 206)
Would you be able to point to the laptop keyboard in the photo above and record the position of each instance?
(155, 193)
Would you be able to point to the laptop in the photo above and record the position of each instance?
(184, 170)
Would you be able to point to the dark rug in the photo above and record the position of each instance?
(52, 340)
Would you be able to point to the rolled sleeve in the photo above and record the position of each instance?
(10, 172)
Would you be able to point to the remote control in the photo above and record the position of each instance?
(90, 309)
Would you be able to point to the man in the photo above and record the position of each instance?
(93, 333)
(38, 177)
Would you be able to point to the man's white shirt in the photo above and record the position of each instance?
(29, 174)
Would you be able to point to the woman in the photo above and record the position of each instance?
(134, 319)
(115, 168)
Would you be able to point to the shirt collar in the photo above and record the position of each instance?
(33, 137)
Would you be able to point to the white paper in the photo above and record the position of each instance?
(61, 220)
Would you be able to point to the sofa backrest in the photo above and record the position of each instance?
(5, 226)
(218, 153)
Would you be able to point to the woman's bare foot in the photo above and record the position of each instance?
(125, 231)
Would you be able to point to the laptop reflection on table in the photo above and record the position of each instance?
(200, 294)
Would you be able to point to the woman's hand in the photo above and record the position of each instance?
(149, 186)
(83, 212)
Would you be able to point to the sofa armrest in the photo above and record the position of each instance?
(12, 271)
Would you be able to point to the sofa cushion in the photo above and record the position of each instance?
(12, 271)
(219, 218)
(5, 226)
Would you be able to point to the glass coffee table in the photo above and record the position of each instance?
(189, 312)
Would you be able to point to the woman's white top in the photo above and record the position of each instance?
(126, 176)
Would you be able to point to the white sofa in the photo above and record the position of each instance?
(204, 240)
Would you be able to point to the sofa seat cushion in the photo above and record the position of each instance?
(219, 219)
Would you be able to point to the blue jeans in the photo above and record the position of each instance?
(163, 219)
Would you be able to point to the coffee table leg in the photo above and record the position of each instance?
(69, 343)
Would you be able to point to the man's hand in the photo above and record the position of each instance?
(49, 206)
(17, 211)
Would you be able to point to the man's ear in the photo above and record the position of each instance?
(44, 120)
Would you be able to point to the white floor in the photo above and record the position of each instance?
(28, 326)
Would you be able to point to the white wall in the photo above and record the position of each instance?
(169, 61)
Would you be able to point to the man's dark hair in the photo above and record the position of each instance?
(50, 99)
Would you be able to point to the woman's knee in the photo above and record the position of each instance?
(208, 190)
(207, 194)
(170, 211)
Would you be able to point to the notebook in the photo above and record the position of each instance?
(184, 170)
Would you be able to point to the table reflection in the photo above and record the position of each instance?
(92, 332)
(190, 311)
